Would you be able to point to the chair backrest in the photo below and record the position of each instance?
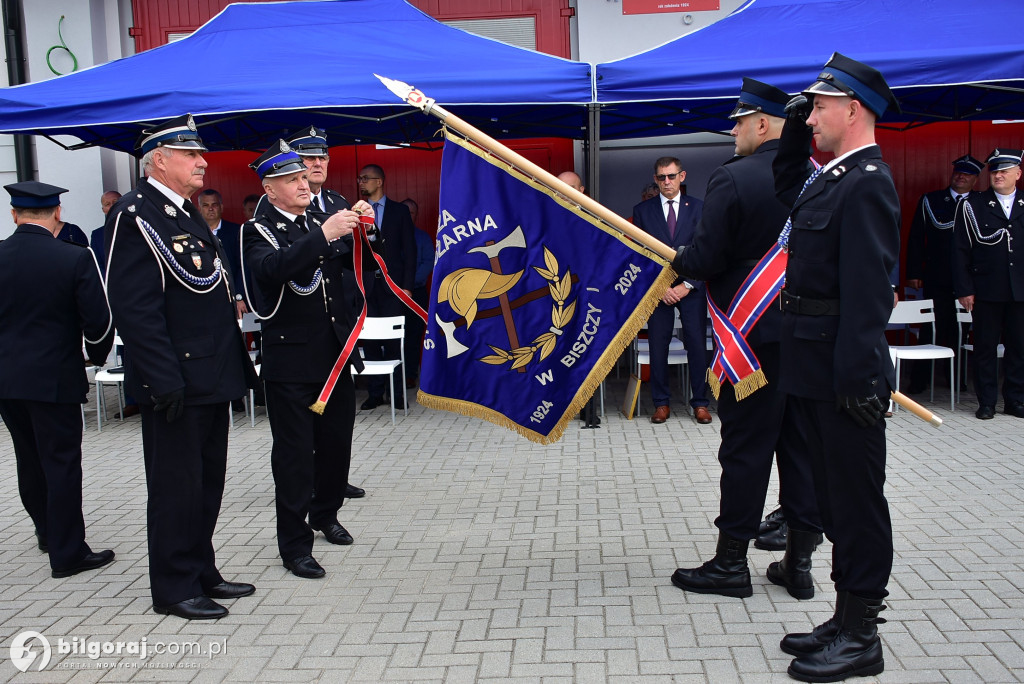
(249, 323)
(912, 311)
(962, 314)
(383, 328)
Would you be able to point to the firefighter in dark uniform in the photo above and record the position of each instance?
(296, 261)
(930, 260)
(988, 279)
(52, 294)
(843, 240)
(741, 221)
(186, 362)
(311, 144)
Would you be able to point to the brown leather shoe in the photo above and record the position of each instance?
(660, 415)
(702, 415)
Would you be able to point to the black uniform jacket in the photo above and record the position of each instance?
(844, 243)
(740, 222)
(930, 244)
(988, 261)
(178, 334)
(305, 333)
(50, 293)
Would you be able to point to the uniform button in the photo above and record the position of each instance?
(282, 337)
(332, 319)
(874, 382)
(327, 280)
(331, 299)
(187, 355)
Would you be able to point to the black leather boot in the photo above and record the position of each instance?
(856, 651)
(773, 539)
(726, 574)
(771, 521)
(803, 643)
(794, 570)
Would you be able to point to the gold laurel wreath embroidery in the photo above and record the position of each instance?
(559, 288)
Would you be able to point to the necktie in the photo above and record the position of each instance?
(300, 220)
(376, 214)
(316, 203)
(960, 197)
(671, 220)
(191, 209)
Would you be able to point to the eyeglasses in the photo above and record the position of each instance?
(663, 176)
(364, 179)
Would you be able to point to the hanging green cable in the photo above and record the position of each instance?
(63, 46)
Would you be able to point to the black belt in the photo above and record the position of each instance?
(806, 306)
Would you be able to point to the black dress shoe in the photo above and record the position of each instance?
(371, 403)
(1014, 408)
(198, 608)
(336, 534)
(985, 412)
(230, 590)
(353, 492)
(90, 562)
(306, 567)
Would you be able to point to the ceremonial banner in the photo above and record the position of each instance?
(532, 301)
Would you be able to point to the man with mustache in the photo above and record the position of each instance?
(186, 362)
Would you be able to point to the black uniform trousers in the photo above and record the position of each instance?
(693, 316)
(753, 431)
(310, 458)
(848, 464)
(47, 440)
(185, 464)
(992, 321)
(382, 302)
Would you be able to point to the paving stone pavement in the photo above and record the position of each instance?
(482, 557)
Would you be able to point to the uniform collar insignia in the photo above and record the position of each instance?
(131, 208)
(280, 226)
(171, 211)
(1020, 202)
(991, 203)
(870, 167)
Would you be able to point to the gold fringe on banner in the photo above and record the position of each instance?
(594, 378)
(714, 384)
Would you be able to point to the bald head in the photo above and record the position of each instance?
(572, 179)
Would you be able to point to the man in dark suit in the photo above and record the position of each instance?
(989, 281)
(672, 217)
(843, 240)
(296, 262)
(107, 200)
(186, 362)
(397, 245)
(930, 260)
(741, 221)
(52, 295)
(211, 208)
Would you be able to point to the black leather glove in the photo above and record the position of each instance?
(799, 108)
(865, 411)
(172, 402)
(677, 261)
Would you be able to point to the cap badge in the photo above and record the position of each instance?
(312, 131)
(171, 211)
(284, 146)
(191, 124)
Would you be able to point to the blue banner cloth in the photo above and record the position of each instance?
(532, 300)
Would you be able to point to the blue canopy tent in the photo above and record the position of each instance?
(258, 71)
(945, 60)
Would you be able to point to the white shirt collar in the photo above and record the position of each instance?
(835, 162)
(178, 200)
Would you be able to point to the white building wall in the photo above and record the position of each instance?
(95, 31)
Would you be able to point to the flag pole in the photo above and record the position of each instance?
(427, 105)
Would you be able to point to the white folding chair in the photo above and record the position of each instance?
(964, 348)
(112, 376)
(921, 312)
(385, 328)
(250, 324)
(676, 357)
